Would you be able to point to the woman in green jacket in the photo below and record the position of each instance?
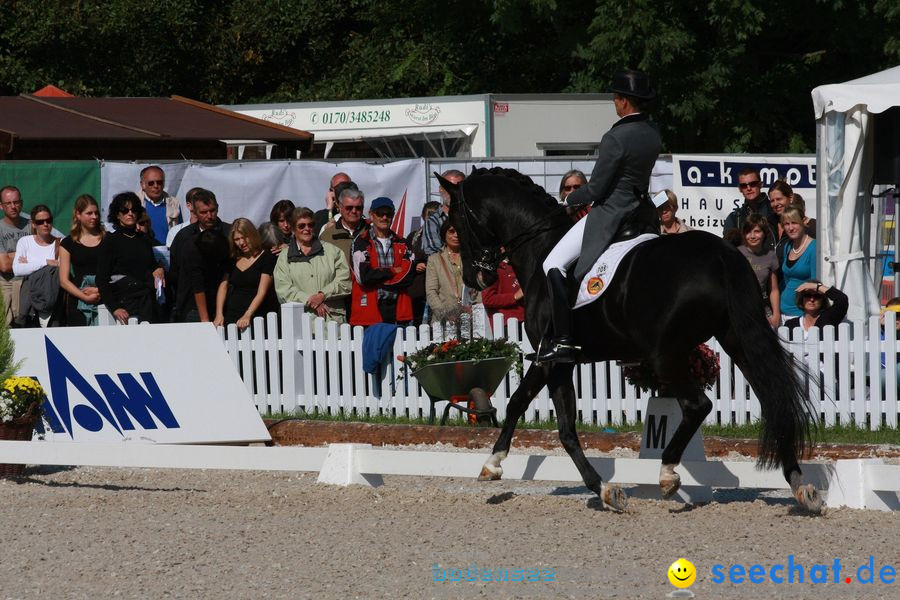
(311, 272)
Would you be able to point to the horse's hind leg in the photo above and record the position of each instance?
(563, 393)
(694, 408)
(535, 378)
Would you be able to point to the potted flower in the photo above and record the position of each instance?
(456, 367)
(704, 365)
(20, 401)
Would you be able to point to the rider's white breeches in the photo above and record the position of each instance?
(567, 249)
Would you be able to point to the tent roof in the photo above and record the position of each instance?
(129, 128)
(877, 92)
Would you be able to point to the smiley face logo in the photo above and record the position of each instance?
(682, 573)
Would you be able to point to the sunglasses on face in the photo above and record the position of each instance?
(304, 226)
(127, 209)
(156, 182)
(750, 184)
(353, 208)
(43, 221)
(806, 297)
(383, 215)
(569, 188)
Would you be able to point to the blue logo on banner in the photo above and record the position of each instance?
(720, 173)
(120, 405)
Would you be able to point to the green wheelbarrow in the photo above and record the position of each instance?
(474, 379)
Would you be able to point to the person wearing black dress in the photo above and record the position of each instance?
(128, 273)
(79, 253)
(247, 289)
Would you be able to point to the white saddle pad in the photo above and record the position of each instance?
(598, 278)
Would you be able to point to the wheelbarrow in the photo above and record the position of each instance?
(445, 381)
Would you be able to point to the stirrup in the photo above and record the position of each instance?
(561, 351)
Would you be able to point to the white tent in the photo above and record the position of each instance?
(844, 183)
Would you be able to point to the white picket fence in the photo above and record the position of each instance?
(316, 365)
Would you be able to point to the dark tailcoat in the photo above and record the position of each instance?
(628, 152)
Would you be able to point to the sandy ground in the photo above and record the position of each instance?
(120, 533)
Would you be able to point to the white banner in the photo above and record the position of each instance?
(707, 185)
(144, 384)
(249, 189)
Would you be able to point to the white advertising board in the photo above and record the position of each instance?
(707, 185)
(379, 118)
(249, 189)
(170, 383)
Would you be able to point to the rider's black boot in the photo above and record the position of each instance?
(561, 348)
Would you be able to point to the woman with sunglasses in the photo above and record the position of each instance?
(571, 181)
(247, 289)
(129, 277)
(34, 253)
(311, 272)
(821, 305)
(79, 253)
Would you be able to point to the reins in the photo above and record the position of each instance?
(490, 255)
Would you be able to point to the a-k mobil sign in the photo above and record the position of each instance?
(148, 383)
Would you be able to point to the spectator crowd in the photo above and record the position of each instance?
(343, 262)
(155, 264)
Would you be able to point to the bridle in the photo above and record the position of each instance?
(490, 256)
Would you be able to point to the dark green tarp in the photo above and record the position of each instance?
(54, 183)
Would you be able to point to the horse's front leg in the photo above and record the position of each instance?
(535, 378)
(563, 393)
(694, 408)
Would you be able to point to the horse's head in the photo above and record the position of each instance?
(479, 246)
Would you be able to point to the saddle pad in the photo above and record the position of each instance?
(597, 279)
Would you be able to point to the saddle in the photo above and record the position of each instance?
(642, 220)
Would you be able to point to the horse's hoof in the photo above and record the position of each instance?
(670, 485)
(490, 473)
(809, 499)
(614, 497)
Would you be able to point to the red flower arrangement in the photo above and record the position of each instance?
(704, 365)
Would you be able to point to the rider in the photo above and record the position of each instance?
(621, 175)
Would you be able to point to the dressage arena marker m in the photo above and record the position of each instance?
(857, 483)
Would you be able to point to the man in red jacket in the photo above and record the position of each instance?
(382, 267)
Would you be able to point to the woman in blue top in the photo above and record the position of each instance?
(799, 263)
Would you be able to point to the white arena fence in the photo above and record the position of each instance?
(296, 362)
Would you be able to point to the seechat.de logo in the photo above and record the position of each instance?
(125, 405)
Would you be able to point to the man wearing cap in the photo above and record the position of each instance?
(382, 268)
(620, 178)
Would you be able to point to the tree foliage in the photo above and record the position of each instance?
(733, 75)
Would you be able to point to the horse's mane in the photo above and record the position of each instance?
(538, 194)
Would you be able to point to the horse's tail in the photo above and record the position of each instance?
(773, 373)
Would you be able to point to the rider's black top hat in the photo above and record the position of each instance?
(632, 83)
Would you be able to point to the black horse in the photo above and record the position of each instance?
(669, 295)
